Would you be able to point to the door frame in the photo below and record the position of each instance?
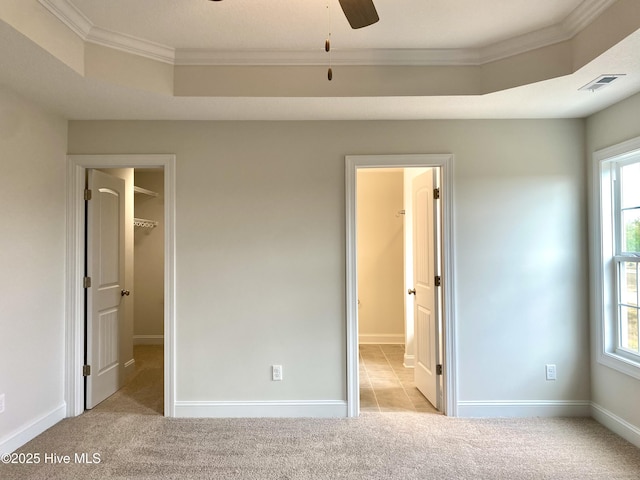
(445, 163)
(74, 298)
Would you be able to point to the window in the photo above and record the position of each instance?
(627, 234)
(616, 277)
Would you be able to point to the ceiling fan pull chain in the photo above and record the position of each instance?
(327, 48)
(327, 43)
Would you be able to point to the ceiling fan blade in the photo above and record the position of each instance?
(359, 13)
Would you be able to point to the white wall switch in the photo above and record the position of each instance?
(551, 371)
(276, 372)
(2, 403)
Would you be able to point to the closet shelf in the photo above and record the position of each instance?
(144, 223)
(144, 191)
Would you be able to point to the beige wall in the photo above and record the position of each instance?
(260, 219)
(148, 292)
(33, 145)
(36, 23)
(615, 391)
(380, 256)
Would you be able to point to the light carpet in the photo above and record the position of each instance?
(374, 446)
(134, 442)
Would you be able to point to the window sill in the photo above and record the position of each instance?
(620, 363)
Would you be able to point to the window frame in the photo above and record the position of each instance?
(605, 257)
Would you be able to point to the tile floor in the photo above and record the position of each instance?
(385, 384)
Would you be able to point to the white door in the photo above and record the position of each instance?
(424, 271)
(105, 267)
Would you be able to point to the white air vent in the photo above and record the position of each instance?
(601, 82)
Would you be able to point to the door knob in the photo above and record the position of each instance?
(411, 291)
(125, 292)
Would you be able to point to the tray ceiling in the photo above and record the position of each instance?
(231, 60)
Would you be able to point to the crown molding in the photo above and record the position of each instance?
(78, 22)
(130, 44)
(379, 56)
(580, 18)
(575, 22)
(522, 43)
(586, 13)
(70, 15)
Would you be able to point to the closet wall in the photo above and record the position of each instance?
(380, 256)
(149, 259)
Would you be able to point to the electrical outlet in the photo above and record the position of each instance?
(2, 403)
(276, 373)
(551, 371)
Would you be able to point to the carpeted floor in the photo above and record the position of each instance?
(133, 441)
(374, 446)
(144, 393)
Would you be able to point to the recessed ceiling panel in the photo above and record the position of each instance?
(303, 24)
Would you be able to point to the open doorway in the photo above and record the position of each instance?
(158, 171)
(386, 289)
(428, 325)
(124, 323)
(148, 296)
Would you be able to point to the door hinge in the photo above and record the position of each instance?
(438, 280)
(436, 193)
(86, 370)
(439, 369)
(86, 282)
(87, 194)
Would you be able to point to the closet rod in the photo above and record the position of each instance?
(145, 191)
(145, 223)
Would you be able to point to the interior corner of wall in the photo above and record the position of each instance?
(46, 31)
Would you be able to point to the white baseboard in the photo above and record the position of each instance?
(388, 338)
(148, 339)
(520, 408)
(409, 361)
(616, 424)
(292, 409)
(130, 363)
(15, 440)
(338, 409)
